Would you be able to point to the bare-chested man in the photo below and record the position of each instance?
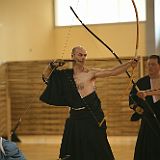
(84, 136)
(148, 142)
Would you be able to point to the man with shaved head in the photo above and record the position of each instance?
(84, 135)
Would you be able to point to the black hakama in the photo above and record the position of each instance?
(83, 139)
(148, 141)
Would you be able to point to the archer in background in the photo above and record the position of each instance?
(148, 141)
(84, 135)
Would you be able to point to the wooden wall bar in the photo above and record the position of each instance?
(25, 87)
(5, 116)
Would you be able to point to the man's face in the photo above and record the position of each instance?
(79, 55)
(153, 67)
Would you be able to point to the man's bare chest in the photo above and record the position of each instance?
(83, 80)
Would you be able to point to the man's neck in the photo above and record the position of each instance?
(78, 68)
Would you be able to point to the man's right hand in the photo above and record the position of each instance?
(134, 62)
(141, 94)
(57, 63)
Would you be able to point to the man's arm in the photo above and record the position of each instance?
(153, 92)
(47, 72)
(116, 70)
(49, 69)
(145, 93)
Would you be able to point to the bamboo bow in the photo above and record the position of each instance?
(119, 60)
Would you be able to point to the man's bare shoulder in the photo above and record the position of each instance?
(94, 71)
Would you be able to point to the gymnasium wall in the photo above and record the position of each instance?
(28, 32)
(25, 87)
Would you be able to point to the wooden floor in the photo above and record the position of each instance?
(47, 147)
